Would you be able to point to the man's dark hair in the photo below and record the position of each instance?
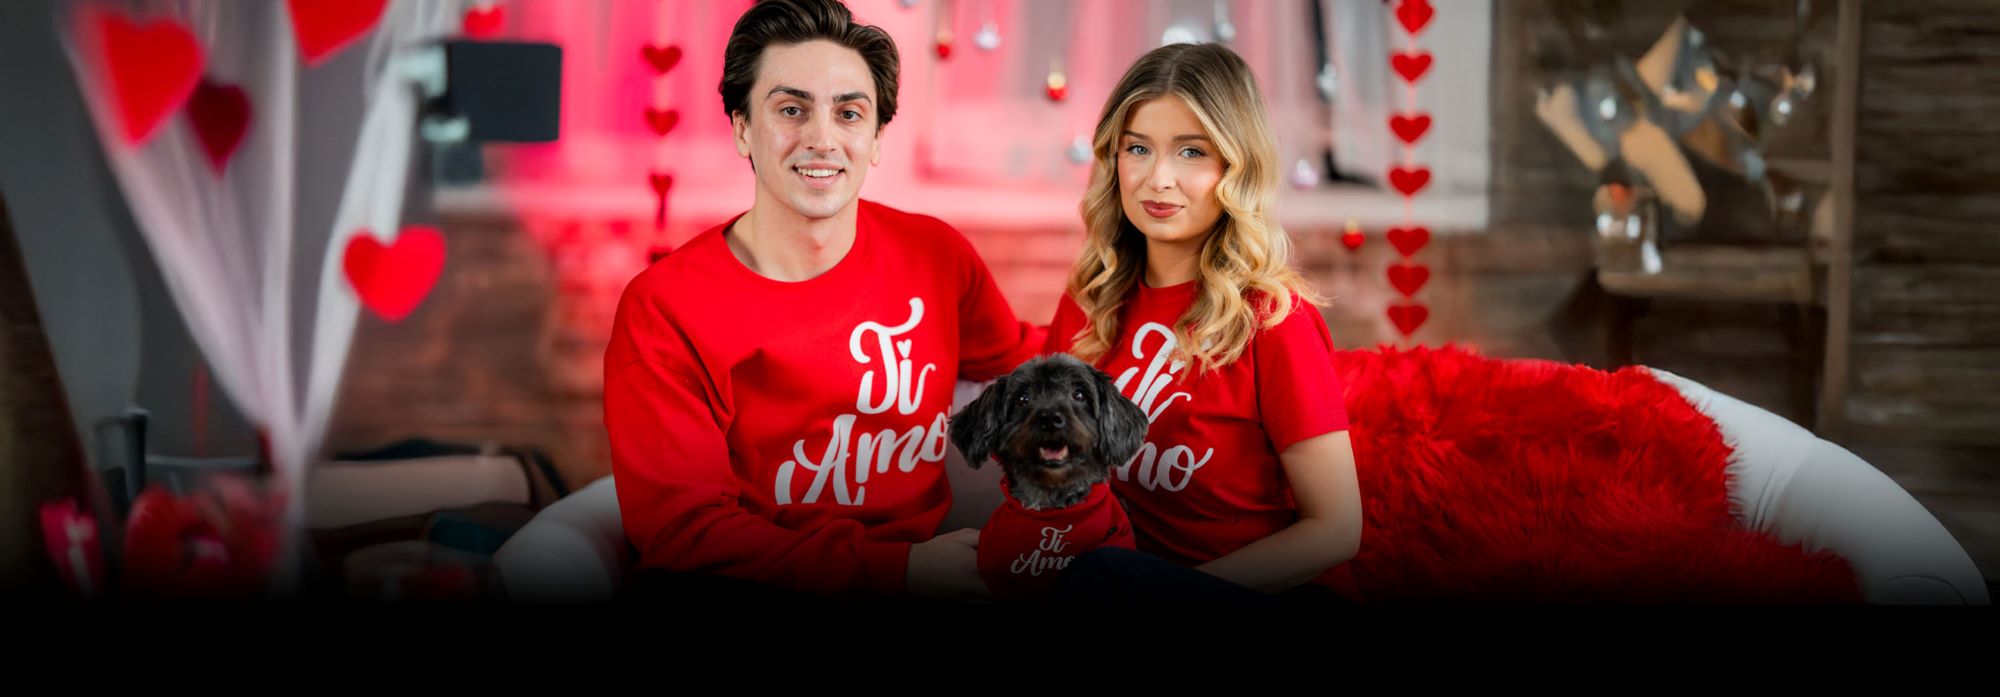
(787, 22)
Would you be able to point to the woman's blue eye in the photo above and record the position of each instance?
(1191, 152)
(1137, 149)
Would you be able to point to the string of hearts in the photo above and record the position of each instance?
(1408, 177)
(661, 122)
(157, 68)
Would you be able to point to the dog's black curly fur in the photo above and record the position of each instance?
(1056, 425)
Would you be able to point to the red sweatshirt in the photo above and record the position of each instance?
(1208, 481)
(794, 433)
(1022, 551)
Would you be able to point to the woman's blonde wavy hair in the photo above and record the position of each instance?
(1244, 274)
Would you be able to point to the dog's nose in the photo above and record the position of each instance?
(1050, 419)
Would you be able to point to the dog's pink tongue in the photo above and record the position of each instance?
(1055, 453)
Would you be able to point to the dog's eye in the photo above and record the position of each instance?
(1078, 396)
(1022, 398)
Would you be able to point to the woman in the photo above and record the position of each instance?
(1183, 295)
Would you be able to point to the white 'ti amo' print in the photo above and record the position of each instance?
(1170, 470)
(872, 452)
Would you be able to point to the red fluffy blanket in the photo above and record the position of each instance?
(1524, 481)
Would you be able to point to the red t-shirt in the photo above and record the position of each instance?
(1022, 551)
(794, 433)
(1208, 480)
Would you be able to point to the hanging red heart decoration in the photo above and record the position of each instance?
(485, 22)
(393, 279)
(1409, 180)
(1408, 317)
(662, 121)
(1408, 240)
(662, 59)
(1408, 278)
(1410, 127)
(152, 68)
(221, 117)
(1411, 65)
(1352, 239)
(325, 27)
(1414, 14)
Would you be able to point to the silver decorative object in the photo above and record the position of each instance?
(988, 38)
(1079, 150)
(1304, 175)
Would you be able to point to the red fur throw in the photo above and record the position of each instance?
(1524, 481)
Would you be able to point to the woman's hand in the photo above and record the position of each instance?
(1328, 531)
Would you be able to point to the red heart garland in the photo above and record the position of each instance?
(662, 59)
(1411, 66)
(1409, 239)
(1352, 240)
(485, 22)
(943, 50)
(1410, 128)
(152, 70)
(662, 121)
(324, 27)
(1408, 317)
(1056, 92)
(661, 184)
(221, 117)
(391, 280)
(1409, 180)
(1414, 15)
(1408, 278)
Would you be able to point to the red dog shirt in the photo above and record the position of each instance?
(1022, 551)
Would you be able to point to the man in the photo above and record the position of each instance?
(776, 390)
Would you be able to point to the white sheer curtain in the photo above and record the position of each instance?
(1361, 35)
(225, 243)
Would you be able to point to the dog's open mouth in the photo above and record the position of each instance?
(1054, 456)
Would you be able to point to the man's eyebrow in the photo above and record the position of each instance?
(794, 91)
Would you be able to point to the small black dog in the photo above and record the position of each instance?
(1057, 426)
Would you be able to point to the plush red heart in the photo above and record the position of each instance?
(1409, 180)
(1410, 128)
(1411, 65)
(1057, 92)
(324, 27)
(1414, 14)
(1408, 278)
(1352, 239)
(662, 121)
(662, 59)
(156, 559)
(391, 280)
(485, 22)
(152, 70)
(1408, 317)
(661, 183)
(221, 117)
(943, 50)
(1409, 239)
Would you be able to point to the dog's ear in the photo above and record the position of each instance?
(1121, 424)
(976, 428)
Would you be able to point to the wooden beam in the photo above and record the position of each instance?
(1832, 413)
